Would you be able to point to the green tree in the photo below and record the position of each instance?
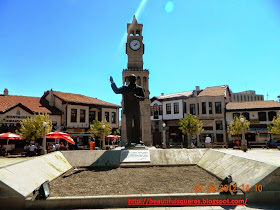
(32, 128)
(117, 132)
(191, 125)
(235, 126)
(275, 128)
(97, 130)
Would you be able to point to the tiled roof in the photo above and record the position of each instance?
(34, 104)
(78, 98)
(175, 95)
(252, 105)
(214, 91)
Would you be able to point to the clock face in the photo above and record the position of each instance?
(135, 44)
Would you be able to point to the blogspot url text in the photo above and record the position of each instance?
(169, 201)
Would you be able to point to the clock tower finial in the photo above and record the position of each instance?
(134, 21)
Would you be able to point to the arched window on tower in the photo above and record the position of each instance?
(139, 81)
(131, 33)
(144, 82)
(126, 80)
(138, 33)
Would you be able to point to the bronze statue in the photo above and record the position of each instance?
(132, 95)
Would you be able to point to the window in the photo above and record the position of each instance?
(236, 115)
(210, 107)
(160, 109)
(192, 109)
(176, 108)
(271, 115)
(82, 115)
(197, 108)
(107, 116)
(113, 117)
(185, 107)
(168, 108)
(262, 116)
(246, 115)
(218, 107)
(203, 107)
(156, 111)
(73, 115)
(92, 115)
(208, 128)
(152, 111)
(99, 116)
(219, 125)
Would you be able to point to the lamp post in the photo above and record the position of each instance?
(243, 143)
(44, 138)
(163, 136)
(103, 144)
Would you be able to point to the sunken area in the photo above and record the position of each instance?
(128, 181)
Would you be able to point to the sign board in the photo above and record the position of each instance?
(132, 156)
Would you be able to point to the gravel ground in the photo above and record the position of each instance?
(125, 181)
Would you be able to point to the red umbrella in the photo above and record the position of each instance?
(69, 139)
(111, 137)
(9, 136)
(56, 135)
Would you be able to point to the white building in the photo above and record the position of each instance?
(168, 109)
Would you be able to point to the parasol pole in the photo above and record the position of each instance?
(7, 145)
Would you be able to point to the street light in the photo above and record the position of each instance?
(243, 143)
(103, 145)
(44, 138)
(163, 136)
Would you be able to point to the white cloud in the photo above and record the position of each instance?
(137, 15)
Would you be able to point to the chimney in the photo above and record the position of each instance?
(162, 94)
(51, 102)
(197, 88)
(6, 92)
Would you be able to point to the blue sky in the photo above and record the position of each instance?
(76, 45)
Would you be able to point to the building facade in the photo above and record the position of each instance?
(248, 95)
(259, 113)
(209, 105)
(71, 113)
(168, 109)
(79, 111)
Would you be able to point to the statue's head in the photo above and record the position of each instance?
(132, 79)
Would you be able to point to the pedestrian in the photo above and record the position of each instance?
(170, 142)
(92, 144)
(32, 150)
(39, 150)
(53, 148)
(208, 141)
(57, 146)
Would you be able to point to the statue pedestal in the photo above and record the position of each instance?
(135, 146)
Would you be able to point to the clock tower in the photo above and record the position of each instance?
(135, 50)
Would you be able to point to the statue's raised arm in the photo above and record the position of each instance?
(114, 87)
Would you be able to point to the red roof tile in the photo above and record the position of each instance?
(252, 105)
(35, 104)
(78, 98)
(214, 91)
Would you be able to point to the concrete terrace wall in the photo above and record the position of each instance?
(101, 158)
(22, 178)
(245, 172)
